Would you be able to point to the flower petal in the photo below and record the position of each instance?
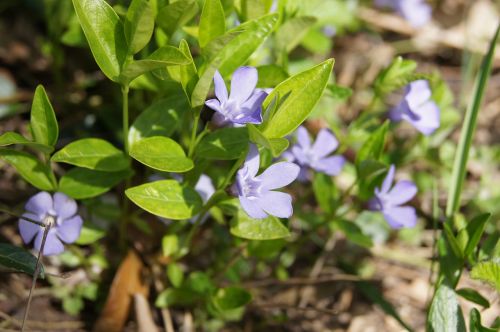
(252, 160)
(325, 143)
(402, 192)
(220, 87)
(220, 120)
(27, 229)
(204, 187)
(299, 155)
(70, 229)
(278, 175)
(252, 208)
(253, 116)
(417, 93)
(214, 104)
(40, 203)
(243, 82)
(64, 206)
(389, 178)
(53, 246)
(303, 139)
(427, 120)
(277, 204)
(331, 165)
(400, 216)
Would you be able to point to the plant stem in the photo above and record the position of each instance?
(35, 275)
(125, 129)
(193, 141)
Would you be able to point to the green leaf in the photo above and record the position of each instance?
(82, 183)
(175, 274)
(270, 76)
(297, 97)
(159, 119)
(475, 229)
(170, 245)
(452, 242)
(176, 15)
(161, 153)
(92, 153)
(43, 119)
(18, 259)
(167, 199)
(176, 296)
(339, 92)
(231, 298)
(450, 266)
(104, 32)
(10, 138)
(188, 73)
(292, 31)
(475, 322)
(473, 296)
(269, 228)
(223, 144)
(30, 168)
(251, 9)
(399, 73)
(230, 51)
(89, 235)
(353, 233)
(139, 25)
(276, 145)
(159, 59)
(467, 132)
(374, 146)
(488, 271)
(212, 22)
(445, 314)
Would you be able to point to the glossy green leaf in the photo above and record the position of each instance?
(175, 274)
(43, 119)
(161, 153)
(252, 9)
(176, 15)
(82, 183)
(231, 298)
(374, 146)
(104, 32)
(467, 131)
(92, 153)
(445, 314)
(188, 73)
(270, 228)
(475, 322)
(488, 271)
(166, 198)
(30, 168)
(212, 22)
(276, 145)
(159, 119)
(159, 59)
(473, 296)
(230, 51)
(297, 97)
(18, 259)
(223, 144)
(292, 31)
(90, 235)
(139, 25)
(270, 76)
(11, 138)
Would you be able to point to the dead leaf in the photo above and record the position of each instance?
(143, 316)
(126, 283)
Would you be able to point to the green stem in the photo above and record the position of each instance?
(193, 141)
(125, 130)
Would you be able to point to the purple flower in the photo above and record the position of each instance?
(244, 104)
(60, 210)
(389, 200)
(416, 12)
(315, 156)
(418, 108)
(256, 193)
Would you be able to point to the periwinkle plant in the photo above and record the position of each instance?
(235, 183)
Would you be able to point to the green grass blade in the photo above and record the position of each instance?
(469, 125)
